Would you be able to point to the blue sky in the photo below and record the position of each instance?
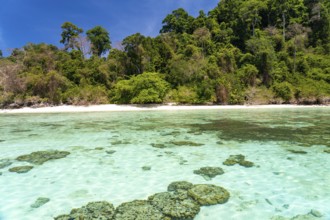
(37, 21)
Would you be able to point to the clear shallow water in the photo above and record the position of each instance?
(282, 183)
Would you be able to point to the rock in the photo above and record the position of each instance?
(110, 151)
(246, 163)
(238, 159)
(297, 151)
(146, 168)
(206, 194)
(138, 210)
(93, 210)
(175, 205)
(161, 146)
(179, 185)
(40, 157)
(2, 140)
(186, 143)
(98, 148)
(209, 172)
(5, 163)
(40, 202)
(0, 173)
(312, 215)
(316, 213)
(21, 169)
(327, 151)
(120, 142)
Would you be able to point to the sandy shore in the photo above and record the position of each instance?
(112, 107)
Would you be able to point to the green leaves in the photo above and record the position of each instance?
(100, 40)
(141, 89)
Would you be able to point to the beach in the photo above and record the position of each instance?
(120, 108)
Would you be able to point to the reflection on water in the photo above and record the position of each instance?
(120, 157)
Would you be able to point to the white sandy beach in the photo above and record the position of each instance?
(113, 107)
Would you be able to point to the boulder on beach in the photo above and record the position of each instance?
(40, 157)
(93, 210)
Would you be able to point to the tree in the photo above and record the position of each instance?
(144, 88)
(178, 22)
(70, 34)
(299, 36)
(100, 40)
(1, 54)
(251, 12)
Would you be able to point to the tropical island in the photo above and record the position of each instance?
(241, 52)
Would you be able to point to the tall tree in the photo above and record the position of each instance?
(70, 34)
(250, 11)
(100, 40)
(178, 22)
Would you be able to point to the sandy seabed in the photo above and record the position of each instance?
(113, 108)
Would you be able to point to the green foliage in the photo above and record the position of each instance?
(144, 88)
(178, 22)
(242, 51)
(85, 95)
(70, 34)
(283, 90)
(100, 40)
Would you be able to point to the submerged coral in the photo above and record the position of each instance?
(181, 202)
(93, 210)
(209, 172)
(40, 202)
(297, 151)
(21, 169)
(207, 194)
(138, 210)
(238, 159)
(5, 163)
(40, 157)
(186, 143)
(312, 215)
(175, 205)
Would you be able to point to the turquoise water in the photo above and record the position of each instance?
(281, 183)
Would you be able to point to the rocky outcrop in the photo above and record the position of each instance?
(40, 157)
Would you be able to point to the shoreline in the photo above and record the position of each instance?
(151, 107)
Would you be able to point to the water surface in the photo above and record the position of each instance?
(109, 149)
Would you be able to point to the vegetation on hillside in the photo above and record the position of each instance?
(242, 51)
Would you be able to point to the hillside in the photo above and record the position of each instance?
(241, 52)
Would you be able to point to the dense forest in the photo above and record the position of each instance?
(241, 52)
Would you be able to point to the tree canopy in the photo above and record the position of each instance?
(242, 51)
